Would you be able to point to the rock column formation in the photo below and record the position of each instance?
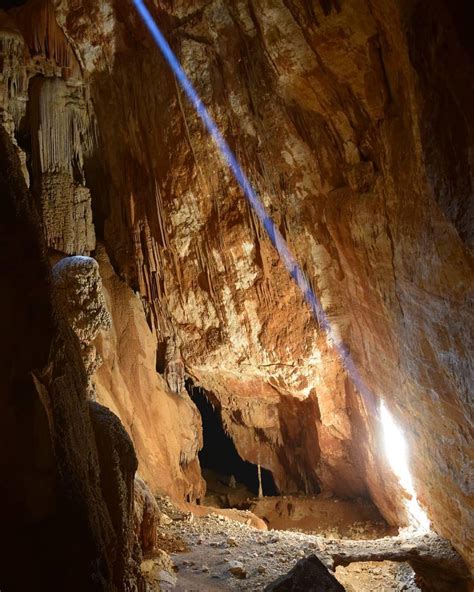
(56, 515)
(78, 289)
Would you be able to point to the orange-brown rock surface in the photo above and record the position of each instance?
(354, 121)
(165, 427)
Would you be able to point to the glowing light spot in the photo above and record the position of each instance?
(396, 450)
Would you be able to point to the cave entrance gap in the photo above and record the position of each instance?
(220, 461)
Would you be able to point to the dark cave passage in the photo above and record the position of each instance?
(6, 4)
(219, 454)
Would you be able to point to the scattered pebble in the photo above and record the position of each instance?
(229, 555)
(237, 569)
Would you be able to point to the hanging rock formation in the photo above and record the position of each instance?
(174, 368)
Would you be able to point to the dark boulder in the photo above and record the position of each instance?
(308, 575)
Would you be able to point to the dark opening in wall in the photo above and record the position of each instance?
(219, 453)
(6, 4)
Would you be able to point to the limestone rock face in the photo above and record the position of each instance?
(165, 427)
(323, 105)
(354, 122)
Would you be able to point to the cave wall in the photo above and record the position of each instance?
(165, 428)
(45, 107)
(210, 275)
(56, 516)
(356, 130)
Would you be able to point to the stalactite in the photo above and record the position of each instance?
(45, 38)
(61, 122)
(161, 216)
(13, 74)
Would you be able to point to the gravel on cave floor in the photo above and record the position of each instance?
(226, 555)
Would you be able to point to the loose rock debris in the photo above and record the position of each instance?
(214, 552)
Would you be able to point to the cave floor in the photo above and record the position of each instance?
(219, 546)
(215, 552)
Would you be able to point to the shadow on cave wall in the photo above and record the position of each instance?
(441, 49)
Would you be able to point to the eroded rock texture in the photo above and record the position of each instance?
(354, 121)
(78, 290)
(165, 427)
(57, 521)
(118, 463)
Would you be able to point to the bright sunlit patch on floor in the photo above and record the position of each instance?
(396, 450)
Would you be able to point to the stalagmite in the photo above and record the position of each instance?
(78, 288)
(260, 488)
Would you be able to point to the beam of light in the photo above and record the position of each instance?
(395, 444)
(396, 450)
(272, 231)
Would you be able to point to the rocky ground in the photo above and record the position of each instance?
(215, 552)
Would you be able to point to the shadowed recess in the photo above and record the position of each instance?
(219, 453)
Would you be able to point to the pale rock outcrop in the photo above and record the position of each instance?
(78, 289)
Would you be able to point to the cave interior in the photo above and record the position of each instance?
(237, 301)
